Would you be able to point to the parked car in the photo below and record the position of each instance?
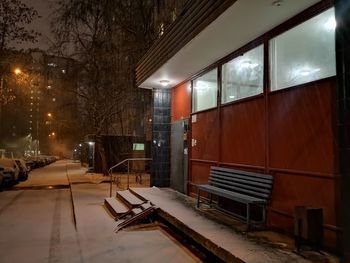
(10, 168)
(6, 178)
(23, 170)
(35, 162)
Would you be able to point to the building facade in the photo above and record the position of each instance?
(42, 117)
(254, 85)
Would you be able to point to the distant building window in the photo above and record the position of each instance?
(304, 53)
(243, 76)
(205, 90)
(138, 147)
(52, 65)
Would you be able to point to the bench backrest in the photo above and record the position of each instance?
(248, 183)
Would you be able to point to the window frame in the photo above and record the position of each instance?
(299, 19)
(218, 87)
(264, 39)
(242, 52)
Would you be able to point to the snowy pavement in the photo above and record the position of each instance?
(37, 225)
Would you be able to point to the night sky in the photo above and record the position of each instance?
(42, 25)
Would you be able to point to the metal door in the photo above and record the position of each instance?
(179, 156)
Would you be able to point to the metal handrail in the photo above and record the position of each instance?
(118, 164)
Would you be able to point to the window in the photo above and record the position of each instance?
(138, 147)
(243, 76)
(304, 53)
(205, 91)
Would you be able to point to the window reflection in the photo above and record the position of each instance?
(243, 76)
(205, 91)
(304, 53)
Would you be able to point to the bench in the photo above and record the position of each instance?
(240, 186)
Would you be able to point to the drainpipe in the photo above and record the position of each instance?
(342, 11)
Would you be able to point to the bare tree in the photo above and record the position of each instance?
(14, 15)
(107, 38)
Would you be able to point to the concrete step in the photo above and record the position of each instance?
(136, 211)
(146, 205)
(116, 207)
(129, 199)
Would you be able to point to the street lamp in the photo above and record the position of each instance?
(17, 71)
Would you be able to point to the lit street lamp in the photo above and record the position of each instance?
(17, 71)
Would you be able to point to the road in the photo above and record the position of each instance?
(37, 223)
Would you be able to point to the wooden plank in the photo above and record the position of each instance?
(244, 177)
(241, 190)
(243, 180)
(231, 195)
(229, 170)
(245, 186)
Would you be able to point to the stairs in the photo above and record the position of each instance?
(127, 208)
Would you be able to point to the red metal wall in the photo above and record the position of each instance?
(302, 153)
(245, 119)
(181, 102)
(290, 134)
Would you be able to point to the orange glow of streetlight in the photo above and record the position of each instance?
(53, 133)
(17, 71)
(49, 115)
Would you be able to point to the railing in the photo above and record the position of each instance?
(120, 163)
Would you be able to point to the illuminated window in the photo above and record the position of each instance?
(138, 146)
(304, 53)
(205, 90)
(243, 76)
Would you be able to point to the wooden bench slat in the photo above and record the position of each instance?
(266, 176)
(231, 195)
(238, 184)
(242, 180)
(246, 177)
(241, 190)
(241, 186)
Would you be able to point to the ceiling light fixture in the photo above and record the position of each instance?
(164, 82)
(277, 3)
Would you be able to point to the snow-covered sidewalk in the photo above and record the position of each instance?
(94, 223)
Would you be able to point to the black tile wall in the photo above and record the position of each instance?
(161, 138)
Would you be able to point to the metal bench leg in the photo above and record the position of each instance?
(248, 216)
(210, 199)
(264, 214)
(198, 196)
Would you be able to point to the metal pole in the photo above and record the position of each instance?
(110, 185)
(128, 174)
